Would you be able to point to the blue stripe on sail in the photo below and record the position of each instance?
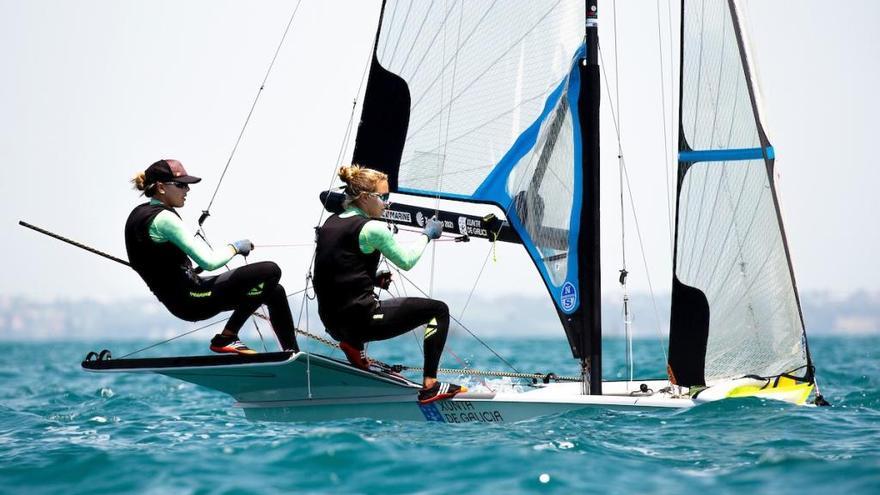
(577, 197)
(566, 294)
(725, 155)
(494, 186)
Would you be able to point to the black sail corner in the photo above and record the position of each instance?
(384, 122)
(687, 344)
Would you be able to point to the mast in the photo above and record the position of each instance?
(588, 241)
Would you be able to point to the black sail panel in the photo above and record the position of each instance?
(384, 121)
(687, 345)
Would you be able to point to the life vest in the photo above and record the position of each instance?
(166, 269)
(344, 276)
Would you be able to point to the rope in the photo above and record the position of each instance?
(628, 357)
(669, 211)
(343, 147)
(215, 322)
(334, 345)
(444, 136)
(455, 371)
(448, 348)
(456, 320)
(645, 262)
(261, 246)
(205, 213)
(635, 218)
(445, 371)
(412, 332)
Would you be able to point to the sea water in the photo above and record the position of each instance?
(63, 430)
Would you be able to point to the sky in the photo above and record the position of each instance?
(94, 91)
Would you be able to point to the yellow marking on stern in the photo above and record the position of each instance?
(784, 388)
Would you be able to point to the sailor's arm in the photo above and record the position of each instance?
(168, 227)
(375, 235)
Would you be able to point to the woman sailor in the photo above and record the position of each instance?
(347, 256)
(160, 249)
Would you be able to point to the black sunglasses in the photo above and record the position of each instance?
(182, 185)
(383, 197)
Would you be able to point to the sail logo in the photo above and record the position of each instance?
(397, 216)
(568, 299)
(420, 219)
(471, 226)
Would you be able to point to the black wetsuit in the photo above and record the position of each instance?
(344, 279)
(169, 273)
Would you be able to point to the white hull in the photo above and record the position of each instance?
(309, 387)
(465, 408)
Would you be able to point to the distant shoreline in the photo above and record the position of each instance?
(23, 319)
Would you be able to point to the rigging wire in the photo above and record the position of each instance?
(635, 218)
(442, 157)
(206, 212)
(342, 152)
(184, 334)
(201, 233)
(462, 362)
(627, 320)
(645, 262)
(672, 79)
(263, 246)
(667, 166)
(343, 148)
(444, 137)
(412, 332)
(456, 320)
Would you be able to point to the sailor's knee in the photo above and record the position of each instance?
(441, 308)
(272, 269)
(267, 270)
(278, 291)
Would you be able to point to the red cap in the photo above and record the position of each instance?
(168, 171)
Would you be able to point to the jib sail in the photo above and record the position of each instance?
(735, 307)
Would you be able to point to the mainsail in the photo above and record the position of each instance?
(735, 307)
(478, 101)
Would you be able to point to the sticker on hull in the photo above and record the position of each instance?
(459, 412)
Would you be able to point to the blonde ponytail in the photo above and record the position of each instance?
(139, 182)
(360, 180)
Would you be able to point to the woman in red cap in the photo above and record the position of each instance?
(161, 250)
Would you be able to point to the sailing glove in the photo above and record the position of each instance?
(433, 228)
(242, 247)
(383, 279)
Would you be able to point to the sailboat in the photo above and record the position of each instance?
(497, 103)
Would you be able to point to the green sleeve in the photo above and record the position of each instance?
(168, 227)
(376, 236)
